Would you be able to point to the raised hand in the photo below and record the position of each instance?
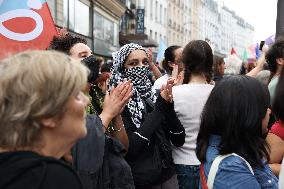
(117, 98)
(166, 90)
(176, 76)
(115, 101)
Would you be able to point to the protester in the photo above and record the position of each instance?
(233, 65)
(275, 60)
(251, 64)
(77, 48)
(42, 115)
(172, 57)
(189, 100)
(98, 158)
(263, 76)
(275, 137)
(218, 68)
(232, 136)
(98, 91)
(74, 46)
(150, 121)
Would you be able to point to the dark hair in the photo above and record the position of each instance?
(65, 43)
(217, 62)
(197, 59)
(169, 57)
(274, 52)
(106, 67)
(278, 103)
(235, 110)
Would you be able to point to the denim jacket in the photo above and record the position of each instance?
(233, 172)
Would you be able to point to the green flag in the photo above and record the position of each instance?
(245, 55)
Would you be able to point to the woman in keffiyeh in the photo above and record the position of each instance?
(147, 118)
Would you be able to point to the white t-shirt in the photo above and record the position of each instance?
(160, 82)
(189, 100)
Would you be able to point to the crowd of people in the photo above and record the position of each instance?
(70, 120)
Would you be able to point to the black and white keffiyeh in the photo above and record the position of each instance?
(142, 87)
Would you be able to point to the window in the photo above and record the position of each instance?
(156, 36)
(152, 7)
(161, 14)
(77, 18)
(146, 12)
(165, 16)
(105, 30)
(156, 11)
(151, 34)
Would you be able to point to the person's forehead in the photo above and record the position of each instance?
(137, 54)
(79, 48)
(178, 51)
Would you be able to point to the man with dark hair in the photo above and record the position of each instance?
(74, 46)
(96, 154)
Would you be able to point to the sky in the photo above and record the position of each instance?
(261, 14)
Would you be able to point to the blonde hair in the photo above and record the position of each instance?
(35, 85)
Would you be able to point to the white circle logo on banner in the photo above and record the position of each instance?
(36, 4)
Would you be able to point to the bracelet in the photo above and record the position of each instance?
(112, 129)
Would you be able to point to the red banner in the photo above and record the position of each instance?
(24, 25)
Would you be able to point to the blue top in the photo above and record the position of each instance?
(233, 172)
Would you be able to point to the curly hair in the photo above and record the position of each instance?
(65, 43)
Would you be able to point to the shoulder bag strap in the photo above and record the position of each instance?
(214, 168)
(202, 177)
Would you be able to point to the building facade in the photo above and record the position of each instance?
(97, 21)
(196, 19)
(108, 24)
(210, 24)
(179, 22)
(235, 32)
(156, 19)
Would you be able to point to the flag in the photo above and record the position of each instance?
(270, 40)
(161, 51)
(257, 51)
(251, 51)
(24, 25)
(233, 51)
(233, 64)
(245, 55)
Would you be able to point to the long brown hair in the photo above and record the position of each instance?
(197, 59)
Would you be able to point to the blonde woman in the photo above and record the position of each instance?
(42, 113)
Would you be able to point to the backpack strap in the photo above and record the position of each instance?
(215, 165)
